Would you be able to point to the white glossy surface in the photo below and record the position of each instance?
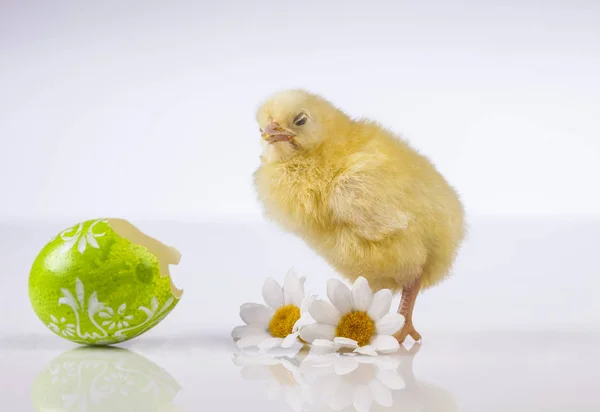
(451, 372)
(517, 328)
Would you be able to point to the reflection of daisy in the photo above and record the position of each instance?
(281, 376)
(355, 319)
(67, 329)
(118, 320)
(342, 381)
(277, 324)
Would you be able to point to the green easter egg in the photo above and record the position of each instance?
(102, 282)
(103, 379)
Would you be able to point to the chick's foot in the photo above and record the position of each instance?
(407, 305)
(407, 330)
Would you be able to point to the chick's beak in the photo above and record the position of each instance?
(273, 132)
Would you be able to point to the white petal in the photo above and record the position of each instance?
(343, 398)
(330, 387)
(371, 359)
(273, 294)
(317, 367)
(245, 331)
(281, 352)
(382, 300)
(290, 340)
(381, 394)
(345, 365)
(253, 340)
(307, 303)
(368, 350)
(323, 346)
(270, 343)
(390, 324)
(324, 312)
(309, 333)
(288, 365)
(303, 321)
(346, 343)
(385, 344)
(362, 398)
(391, 379)
(299, 294)
(339, 295)
(292, 289)
(255, 314)
(362, 296)
(305, 318)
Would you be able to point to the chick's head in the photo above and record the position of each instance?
(295, 121)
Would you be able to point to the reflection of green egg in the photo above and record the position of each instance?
(102, 282)
(103, 379)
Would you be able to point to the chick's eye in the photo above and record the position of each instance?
(300, 119)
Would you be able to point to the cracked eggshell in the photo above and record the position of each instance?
(102, 282)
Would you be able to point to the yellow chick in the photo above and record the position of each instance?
(361, 197)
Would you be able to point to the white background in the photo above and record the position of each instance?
(146, 111)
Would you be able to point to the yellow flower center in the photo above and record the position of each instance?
(357, 326)
(282, 323)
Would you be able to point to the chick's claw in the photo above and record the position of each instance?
(407, 329)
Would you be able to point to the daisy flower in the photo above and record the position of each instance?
(277, 323)
(354, 319)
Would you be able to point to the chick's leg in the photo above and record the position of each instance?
(407, 305)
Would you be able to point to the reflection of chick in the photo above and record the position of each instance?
(362, 198)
